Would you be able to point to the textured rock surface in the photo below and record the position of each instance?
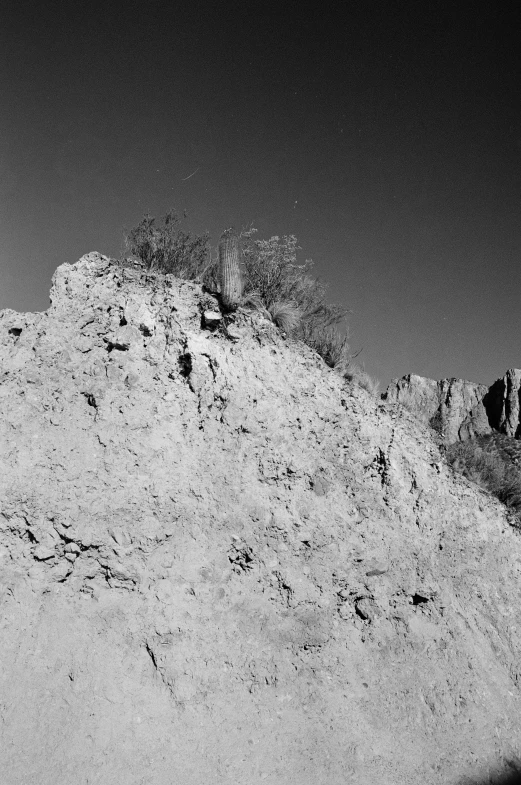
(458, 409)
(502, 403)
(222, 564)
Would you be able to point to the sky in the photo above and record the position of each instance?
(385, 135)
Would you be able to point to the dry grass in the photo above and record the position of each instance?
(286, 315)
(359, 376)
(330, 343)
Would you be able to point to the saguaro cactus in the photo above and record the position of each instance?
(230, 273)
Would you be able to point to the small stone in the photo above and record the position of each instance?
(87, 568)
(122, 338)
(345, 611)
(61, 523)
(61, 570)
(88, 539)
(131, 379)
(377, 568)
(234, 332)
(123, 572)
(72, 547)
(320, 485)
(366, 608)
(43, 552)
(212, 319)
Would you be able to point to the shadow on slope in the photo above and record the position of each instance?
(510, 777)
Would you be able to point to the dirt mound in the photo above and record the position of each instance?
(223, 564)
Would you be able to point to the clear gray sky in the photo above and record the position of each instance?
(386, 136)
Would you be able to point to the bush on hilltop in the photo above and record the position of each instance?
(271, 280)
(169, 249)
(295, 300)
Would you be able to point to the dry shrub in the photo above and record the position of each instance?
(169, 249)
(482, 464)
(271, 271)
(329, 342)
(294, 298)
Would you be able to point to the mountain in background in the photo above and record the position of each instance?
(460, 410)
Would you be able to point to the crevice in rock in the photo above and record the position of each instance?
(185, 364)
(121, 347)
(419, 599)
(151, 654)
(91, 400)
(361, 613)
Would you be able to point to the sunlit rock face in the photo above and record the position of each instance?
(220, 563)
(460, 410)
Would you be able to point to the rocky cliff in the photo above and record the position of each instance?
(223, 564)
(460, 410)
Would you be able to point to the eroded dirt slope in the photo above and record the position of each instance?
(222, 564)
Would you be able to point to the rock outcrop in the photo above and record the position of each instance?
(502, 404)
(223, 564)
(460, 410)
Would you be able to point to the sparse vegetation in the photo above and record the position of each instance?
(481, 463)
(270, 280)
(271, 271)
(168, 249)
(294, 298)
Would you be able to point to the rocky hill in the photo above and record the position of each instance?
(223, 564)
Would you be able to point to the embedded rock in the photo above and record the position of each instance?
(222, 563)
(212, 319)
